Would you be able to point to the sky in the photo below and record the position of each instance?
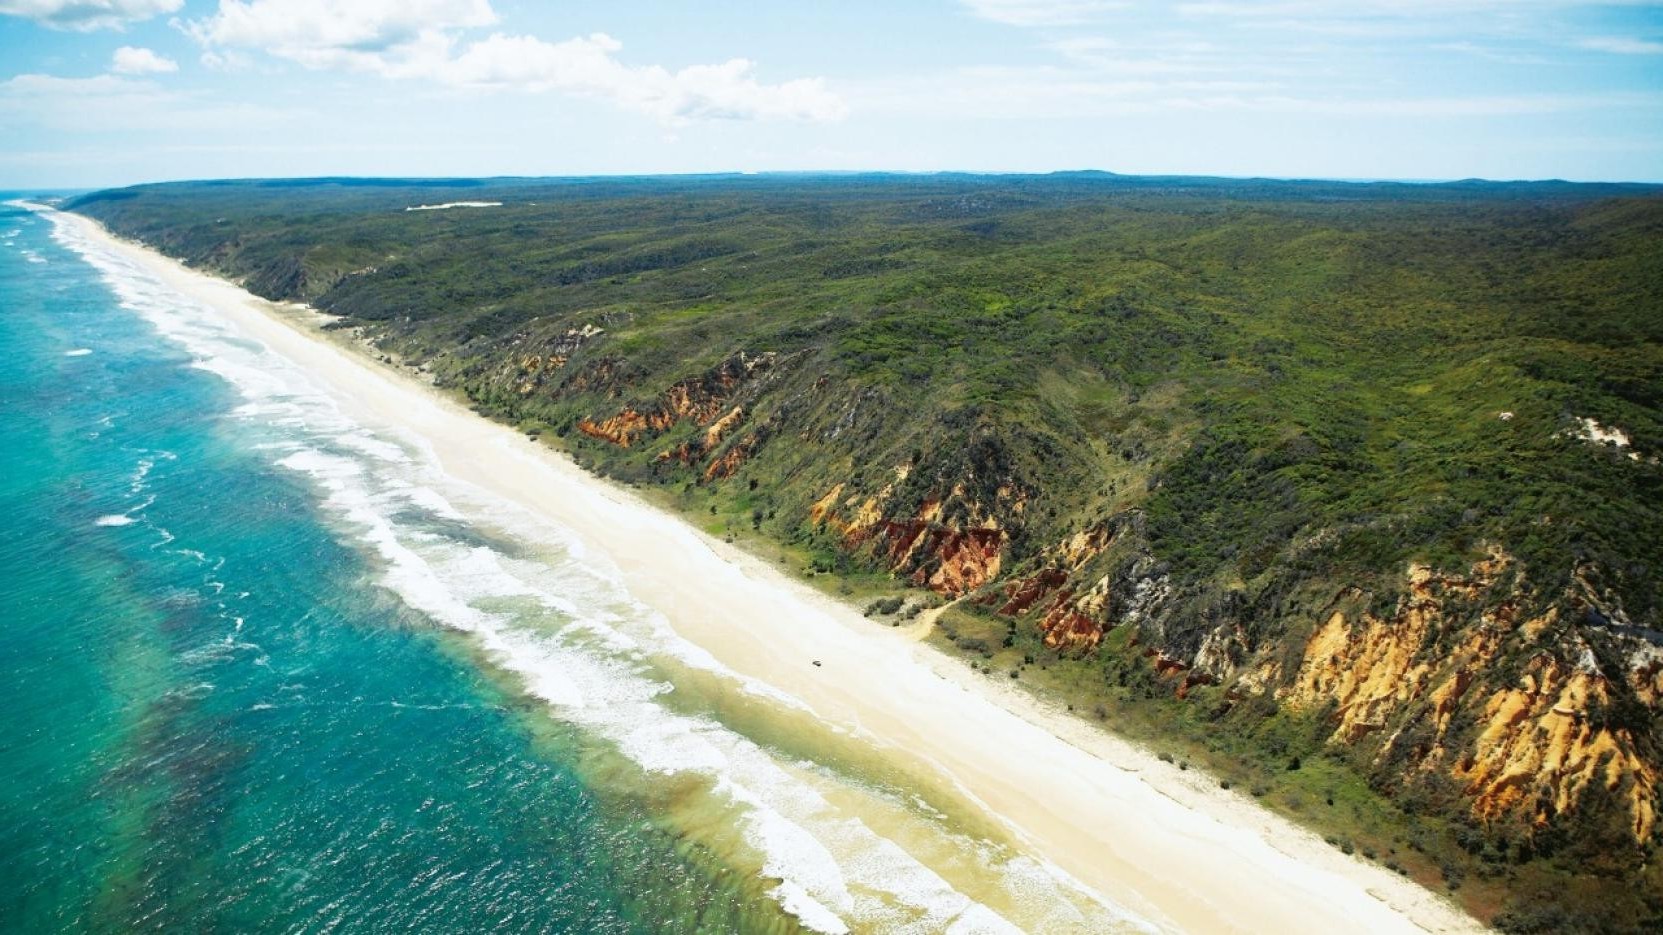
(106, 92)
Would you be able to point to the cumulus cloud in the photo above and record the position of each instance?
(588, 66)
(225, 61)
(87, 14)
(130, 60)
(423, 39)
(367, 35)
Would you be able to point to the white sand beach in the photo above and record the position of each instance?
(1167, 844)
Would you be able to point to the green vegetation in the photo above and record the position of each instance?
(1268, 391)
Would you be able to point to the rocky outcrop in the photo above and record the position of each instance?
(1077, 623)
(1370, 666)
(1540, 750)
(951, 545)
(627, 426)
(532, 364)
(1072, 615)
(1457, 683)
(1519, 711)
(728, 463)
(958, 560)
(700, 400)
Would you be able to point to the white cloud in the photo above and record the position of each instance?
(1623, 45)
(367, 35)
(588, 66)
(229, 60)
(129, 60)
(421, 39)
(1040, 12)
(87, 14)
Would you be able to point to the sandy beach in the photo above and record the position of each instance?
(1167, 844)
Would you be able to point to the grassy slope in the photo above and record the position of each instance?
(1241, 366)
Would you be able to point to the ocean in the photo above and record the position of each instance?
(271, 670)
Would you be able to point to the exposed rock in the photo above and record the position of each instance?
(969, 558)
(729, 463)
(1221, 652)
(950, 558)
(700, 400)
(1072, 618)
(1540, 750)
(625, 428)
(822, 509)
(1077, 623)
(536, 361)
(1024, 593)
(1532, 748)
(721, 427)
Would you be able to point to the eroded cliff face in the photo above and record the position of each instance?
(1535, 708)
(535, 364)
(1525, 713)
(1532, 716)
(943, 524)
(1540, 751)
(700, 400)
(1070, 609)
(950, 544)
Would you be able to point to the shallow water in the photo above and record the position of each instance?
(272, 669)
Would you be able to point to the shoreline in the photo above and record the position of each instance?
(1164, 843)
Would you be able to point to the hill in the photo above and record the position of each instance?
(1350, 492)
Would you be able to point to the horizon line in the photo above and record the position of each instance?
(922, 173)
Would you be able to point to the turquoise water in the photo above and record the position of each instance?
(216, 720)
(270, 670)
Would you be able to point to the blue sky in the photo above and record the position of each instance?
(104, 92)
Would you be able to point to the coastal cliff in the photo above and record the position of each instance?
(1352, 490)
